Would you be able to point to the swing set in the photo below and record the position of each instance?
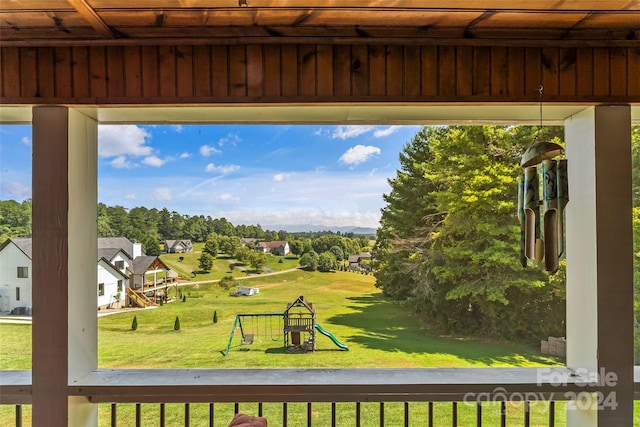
(297, 326)
(257, 326)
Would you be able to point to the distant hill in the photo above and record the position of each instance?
(299, 228)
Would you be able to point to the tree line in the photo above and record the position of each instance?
(153, 226)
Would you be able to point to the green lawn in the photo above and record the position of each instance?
(221, 265)
(378, 333)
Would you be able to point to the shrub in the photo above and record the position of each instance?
(227, 282)
(184, 298)
(215, 317)
(134, 324)
(176, 324)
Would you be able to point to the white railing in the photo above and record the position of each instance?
(335, 391)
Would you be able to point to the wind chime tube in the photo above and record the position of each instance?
(521, 219)
(563, 199)
(533, 244)
(550, 207)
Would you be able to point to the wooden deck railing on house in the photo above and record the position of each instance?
(139, 299)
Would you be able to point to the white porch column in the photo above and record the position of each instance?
(600, 258)
(64, 261)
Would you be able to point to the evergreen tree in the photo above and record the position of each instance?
(176, 324)
(211, 245)
(205, 262)
(134, 323)
(449, 240)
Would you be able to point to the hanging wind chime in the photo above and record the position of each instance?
(542, 232)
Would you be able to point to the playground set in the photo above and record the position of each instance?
(297, 325)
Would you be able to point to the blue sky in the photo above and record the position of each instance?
(249, 174)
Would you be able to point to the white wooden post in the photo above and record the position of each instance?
(64, 263)
(600, 261)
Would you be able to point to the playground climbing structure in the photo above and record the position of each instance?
(296, 325)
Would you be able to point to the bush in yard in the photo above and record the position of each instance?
(176, 324)
(184, 298)
(227, 282)
(215, 317)
(134, 324)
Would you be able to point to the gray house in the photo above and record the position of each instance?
(178, 246)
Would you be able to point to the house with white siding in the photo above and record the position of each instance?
(112, 285)
(276, 247)
(15, 276)
(119, 263)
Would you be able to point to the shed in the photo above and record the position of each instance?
(243, 290)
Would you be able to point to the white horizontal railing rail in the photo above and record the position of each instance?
(311, 385)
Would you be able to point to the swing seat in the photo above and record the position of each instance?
(247, 339)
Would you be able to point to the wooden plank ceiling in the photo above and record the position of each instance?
(65, 22)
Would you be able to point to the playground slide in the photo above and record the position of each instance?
(330, 335)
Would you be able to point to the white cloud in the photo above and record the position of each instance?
(381, 133)
(15, 189)
(162, 194)
(121, 162)
(26, 140)
(207, 150)
(226, 197)
(313, 197)
(345, 132)
(154, 161)
(177, 128)
(279, 177)
(130, 196)
(119, 140)
(358, 154)
(185, 155)
(231, 138)
(222, 169)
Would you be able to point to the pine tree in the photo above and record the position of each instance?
(215, 317)
(134, 324)
(176, 324)
(449, 241)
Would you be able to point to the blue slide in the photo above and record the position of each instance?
(330, 335)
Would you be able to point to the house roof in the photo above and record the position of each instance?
(354, 258)
(142, 264)
(273, 244)
(108, 247)
(23, 243)
(174, 243)
(110, 253)
(115, 242)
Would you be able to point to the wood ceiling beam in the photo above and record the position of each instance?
(94, 19)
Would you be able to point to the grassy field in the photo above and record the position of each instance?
(378, 333)
(222, 265)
